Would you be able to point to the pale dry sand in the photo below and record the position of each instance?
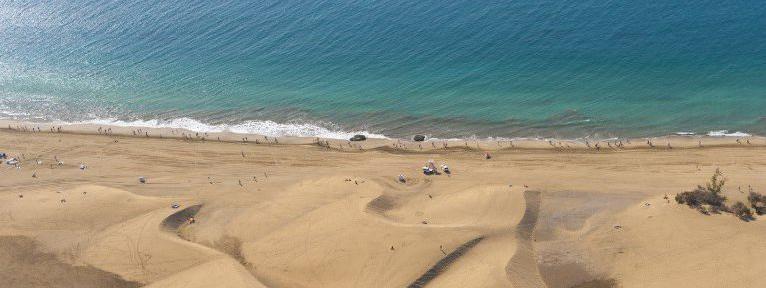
(277, 215)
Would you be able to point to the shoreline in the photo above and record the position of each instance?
(667, 142)
(267, 205)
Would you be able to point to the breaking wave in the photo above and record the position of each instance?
(259, 127)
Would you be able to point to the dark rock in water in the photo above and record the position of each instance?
(358, 138)
(419, 138)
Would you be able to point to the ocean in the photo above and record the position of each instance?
(392, 68)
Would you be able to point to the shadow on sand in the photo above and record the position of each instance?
(24, 265)
(444, 263)
(176, 220)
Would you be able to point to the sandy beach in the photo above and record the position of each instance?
(306, 212)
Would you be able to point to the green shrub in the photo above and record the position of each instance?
(707, 199)
(740, 210)
(758, 202)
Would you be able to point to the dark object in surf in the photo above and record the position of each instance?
(358, 138)
(419, 138)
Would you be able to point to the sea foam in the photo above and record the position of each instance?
(725, 133)
(259, 127)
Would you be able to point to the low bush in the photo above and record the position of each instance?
(758, 202)
(706, 199)
(740, 210)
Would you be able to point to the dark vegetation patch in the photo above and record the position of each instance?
(706, 199)
(741, 211)
(758, 202)
(709, 199)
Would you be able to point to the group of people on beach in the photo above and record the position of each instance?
(107, 131)
(24, 128)
(347, 145)
(618, 144)
(399, 145)
(17, 162)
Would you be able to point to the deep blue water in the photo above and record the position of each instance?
(523, 68)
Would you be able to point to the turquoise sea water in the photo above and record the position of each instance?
(444, 68)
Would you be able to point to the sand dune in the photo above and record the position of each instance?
(223, 272)
(24, 265)
(68, 220)
(338, 245)
(309, 216)
(139, 250)
(487, 207)
(482, 266)
(522, 267)
(437, 269)
(665, 245)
